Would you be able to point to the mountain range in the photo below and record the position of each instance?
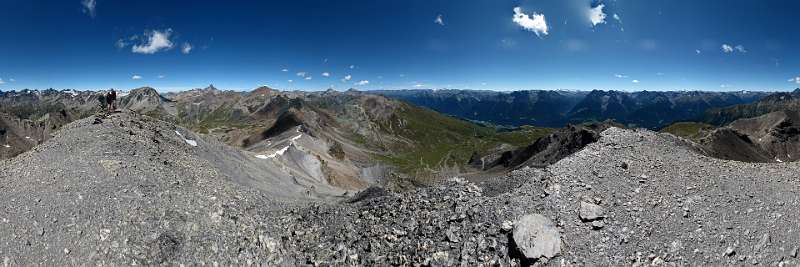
(646, 109)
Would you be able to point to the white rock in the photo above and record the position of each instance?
(536, 236)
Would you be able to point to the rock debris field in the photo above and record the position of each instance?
(125, 189)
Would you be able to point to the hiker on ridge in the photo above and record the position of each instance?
(111, 98)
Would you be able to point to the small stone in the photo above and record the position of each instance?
(507, 226)
(729, 251)
(598, 225)
(794, 253)
(590, 212)
(66, 251)
(763, 242)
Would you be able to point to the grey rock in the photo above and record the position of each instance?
(729, 252)
(589, 212)
(536, 236)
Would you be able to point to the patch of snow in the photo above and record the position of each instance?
(123, 93)
(27, 137)
(296, 137)
(778, 160)
(190, 142)
(273, 155)
(6, 146)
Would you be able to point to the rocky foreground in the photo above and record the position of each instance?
(632, 198)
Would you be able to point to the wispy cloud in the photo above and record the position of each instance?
(364, 82)
(508, 43)
(621, 76)
(635, 81)
(11, 80)
(156, 41)
(285, 70)
(89, 7)
(727, 48)
(352, 67)
(302, 74)
(187, 48)
(161, 76)
(534, 22)
(308, 78)
(326, 74)
(697, 51)
(795, 80)
(596, 15)
(347, 78)
(1, 81)
(439, 20)
(619, 20)
(136, 77)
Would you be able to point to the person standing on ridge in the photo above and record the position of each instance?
(111, 97)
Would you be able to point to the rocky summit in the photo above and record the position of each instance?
(127, 189)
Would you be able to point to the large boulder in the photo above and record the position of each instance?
(536, 237)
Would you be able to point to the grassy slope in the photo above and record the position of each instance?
(442, 141)
(690, 130)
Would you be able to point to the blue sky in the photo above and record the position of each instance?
(477, 44)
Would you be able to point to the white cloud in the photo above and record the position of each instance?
(534, 22)
(439, 20)
(1, 81)
(697, 51)
(347, 78)
(161, 76)
(795, 80)
(419, 85)
(596, 15)
(727, 48)
(136, 77)
(187, 48)
(285, 70)
(352, 67)
(724, 86)
(302, 74)
(308, 78)
(11, 80)
(730, 48)
(290, 81)
(364, 82)
(89, 7)
(156, 41)
(326, 74)
(635, 81)
(621, 76)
